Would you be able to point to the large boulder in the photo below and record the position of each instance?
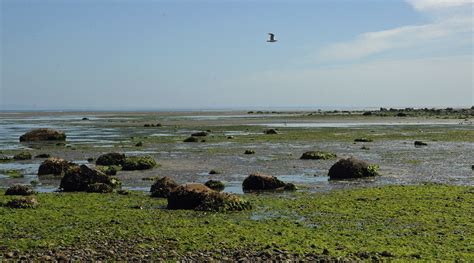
(111, 159)
(77, 179)
(56, 166)
(202, 198)
(19, 190)
(43, 135)
(352, 168)
(316, 155)
(258, 182)
(138, 163)
(162, 187)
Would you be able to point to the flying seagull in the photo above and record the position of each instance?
(272, 38)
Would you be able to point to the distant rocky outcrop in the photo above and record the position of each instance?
(201, 197)
(43, 135)
(259, 182)
(352, 168)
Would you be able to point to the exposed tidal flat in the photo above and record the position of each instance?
(418, 208)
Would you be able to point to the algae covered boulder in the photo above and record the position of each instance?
(162, 187)
(215, 185)
(80, 178)
(202, 198)
(317, 155)
(99, 188)
(138, 163)
(22, 156)
(258, 182)
(111, 159)
(43, 135)
(19, 190)
(23, 202)
(352, 168)
(56, 166)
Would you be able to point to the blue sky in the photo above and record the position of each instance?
(213, 54)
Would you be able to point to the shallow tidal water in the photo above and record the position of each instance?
(400, 162)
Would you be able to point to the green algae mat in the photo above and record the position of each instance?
(423, 222)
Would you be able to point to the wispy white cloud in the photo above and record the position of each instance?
(452, 28)
(437, 4)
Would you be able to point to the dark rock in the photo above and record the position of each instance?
(352, 168)
(364, 148)
(290, 187)
(56, 166)
(363, 140)
(259, 181)
(270, 131)
(200, 197)
(99, 188)
(162, 187)
(138, 163)
(43, 155)
(214, 171)
(401, 114)
(230, 137)
(316, 155)
(22, 156)
(23, 202)
(367, 113)
(249, 152)
(191, 139)
(420, 143)
(90, 160)
(80, 178)
(19, 190)
(111, 159)
(200, 134)
(85, 119)
(139, 144)
(215, 185)
(43, 135)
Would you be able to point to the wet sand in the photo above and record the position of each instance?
(400, 162)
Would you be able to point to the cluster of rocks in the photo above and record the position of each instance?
(197, 196)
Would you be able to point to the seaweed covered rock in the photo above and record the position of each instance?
(138, 163)
(111, 159)
(56, 166)
(162, 187)
(191, 139)
(363, 140)
(19, 190)
(99, 188)
(43, 135)
(202, 198)
(317, 155)
(258, 182)
(23, 202)
(270, 131)
(200, 134)
(249, 152)
(23, 156)
(215, 185)
(352, 168)
(43, 155)
(420, 143)
(79, 178)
